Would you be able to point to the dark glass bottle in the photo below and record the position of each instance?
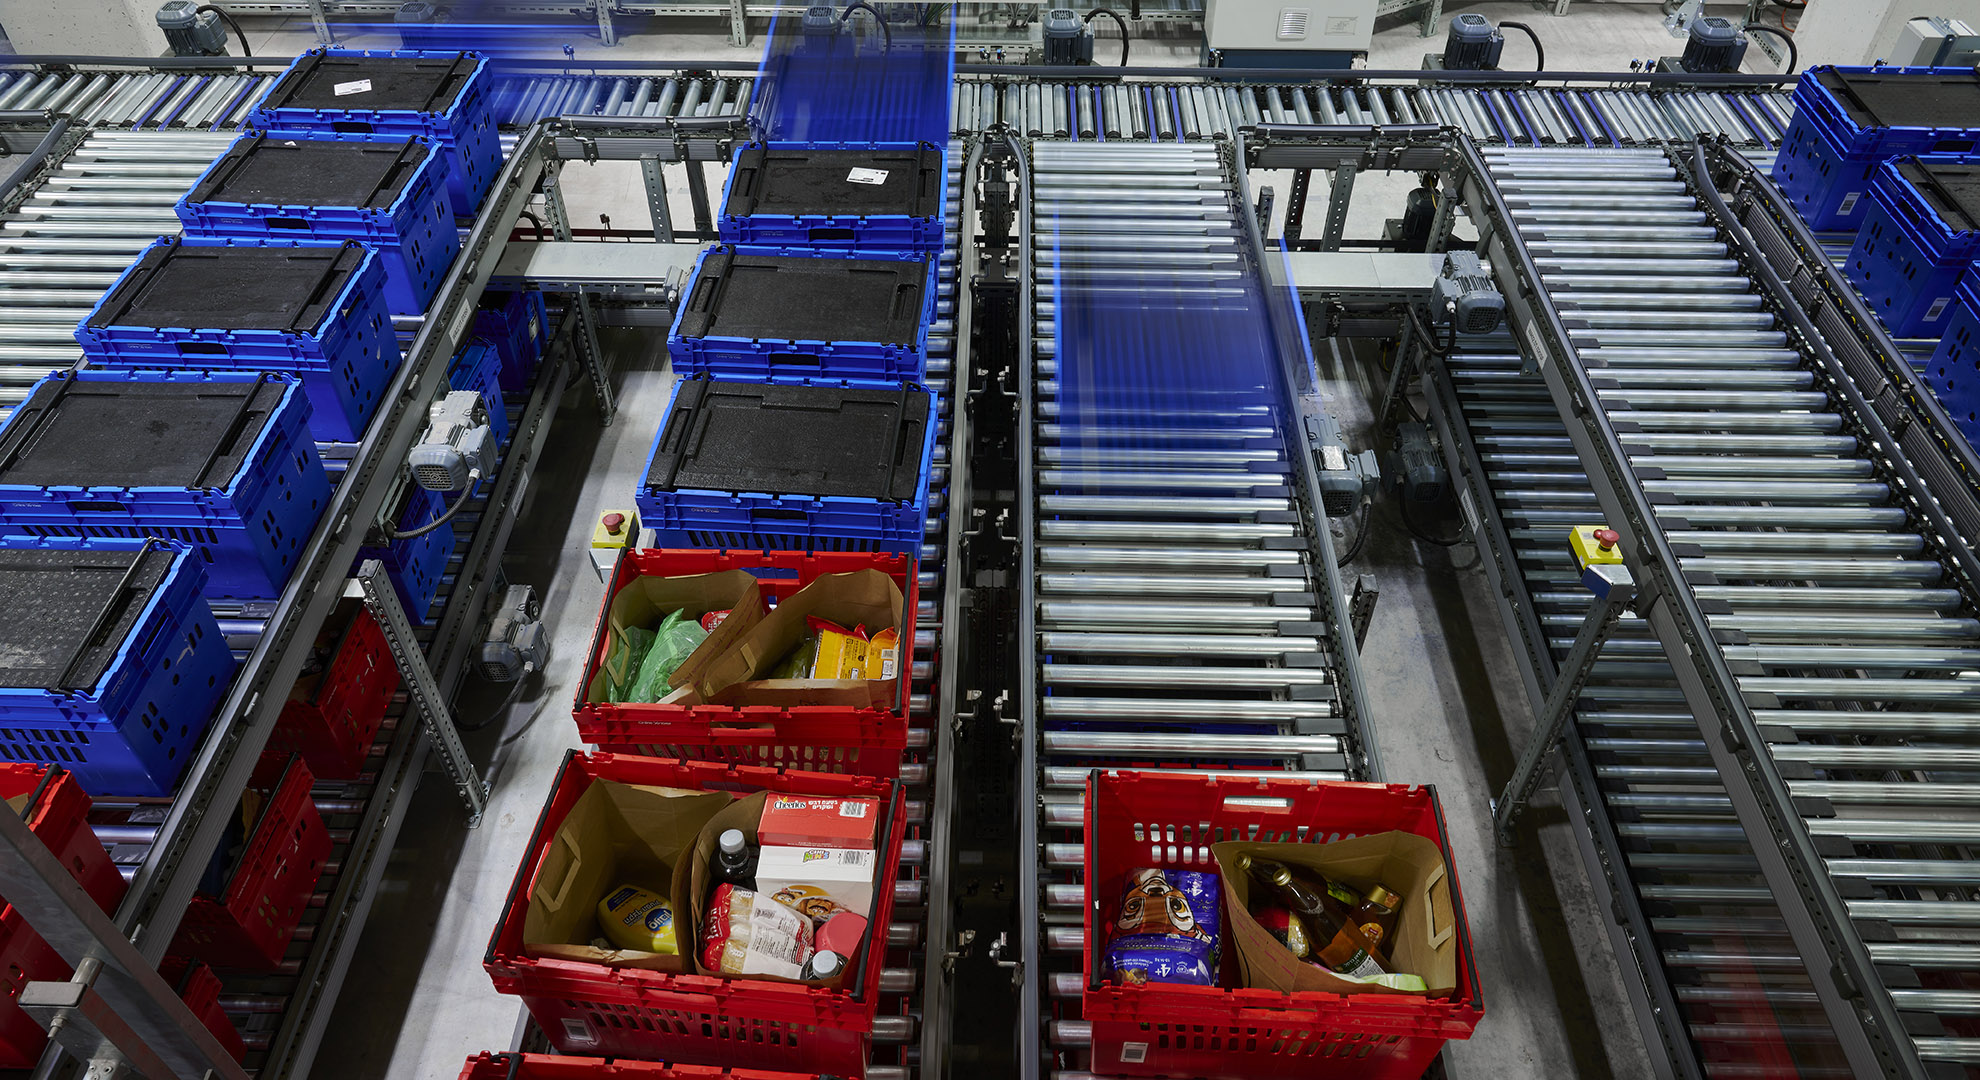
(735, 860)
(1341, 953)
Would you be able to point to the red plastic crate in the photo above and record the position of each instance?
(331, 719)
(1136, 819)
(627, 1012)
(57, 811)
(819, 738)
(487, 1066)
(250, 926)
(200, 990)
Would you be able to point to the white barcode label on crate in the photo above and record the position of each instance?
(1849, 203)
(1938, 308)
(867, 176)
(1134, 1053)
(355, 86)
(576, 1030)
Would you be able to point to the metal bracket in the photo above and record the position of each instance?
(589, 350)
(656, 199)
(1361, 606)
(321, 22)
(1614, 590)
(424, 690)
(608, 35)
(1337, 210)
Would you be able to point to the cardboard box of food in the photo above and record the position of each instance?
(818, 881)
(816, 821)
(867, 598)
(1425, 942)
(644, 600)
(615, 834)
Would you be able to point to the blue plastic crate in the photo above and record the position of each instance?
(316, 311)
(1920, 234)
(478, 367)
(115, 662)
(1954, 370)
(514, 324)
(859, 197)
(1849, 119)
(817, 466)
(388, 192)
(441, 95)
(784, 313)
(416, 564)
(221, 461)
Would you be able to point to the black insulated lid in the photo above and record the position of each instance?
(231, 288)
(793, 298)
(75, 433)
(64, 614)
(906, 181)
(1874, 99)
(312, 172)
(1953, 190)
(793, 440)
(401, 83)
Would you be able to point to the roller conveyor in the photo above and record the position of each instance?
(1845, 631)
(1181, 616)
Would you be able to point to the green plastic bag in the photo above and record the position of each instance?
(629, 647)
(673, 643)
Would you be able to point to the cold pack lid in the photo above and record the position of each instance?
(230, 287)
(354, 82)
(793, 440)
(1952, 189)
(116, 433)
(1888, 99)
(64, 614)
(792, 297)
(899, 179)
(300, 171)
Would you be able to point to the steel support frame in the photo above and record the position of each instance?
(937, 998)
(591, 353)
(654, 172)
(118, 997)
(1630, 938)
(1555, 713)
(1031, 943)
(422, 690)
(322, 975)
(608, 35)
(1339, 195)
(1849, 990)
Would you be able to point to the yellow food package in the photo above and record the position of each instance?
(639, 920)
(840, 655)
(881, 655)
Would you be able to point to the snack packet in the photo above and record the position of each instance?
(1167, 929)
(745, 933)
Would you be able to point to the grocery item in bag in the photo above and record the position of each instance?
(1167, 929)
(673, 643)
(636, 919)
(746, 933)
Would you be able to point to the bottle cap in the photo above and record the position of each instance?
(731, 842)
(825, 963)
(1382, 897)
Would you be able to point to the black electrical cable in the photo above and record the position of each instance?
(1360, 537)
(1539, 50)
(1118, 21)
(1429, 337)
(503, 709)
(229, 20)
(541, 232)
(474, 477)
(1793, 5)
(1794, 54)
(1409, 522)
(885, 30)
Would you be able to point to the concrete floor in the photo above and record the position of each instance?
(1448, 705)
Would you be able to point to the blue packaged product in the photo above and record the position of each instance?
(1167, 929)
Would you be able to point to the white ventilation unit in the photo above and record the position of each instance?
(1292, 23)
(1234, 27)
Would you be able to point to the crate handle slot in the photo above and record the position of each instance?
(351, 127)
(767, 514)
(202, 348)
(906, 294)
(1437, 937)
(798, 358)
(96, 506)
(289, 223)
(1258, 803)
(563, 842)
(830, 233)
(1953, 146)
